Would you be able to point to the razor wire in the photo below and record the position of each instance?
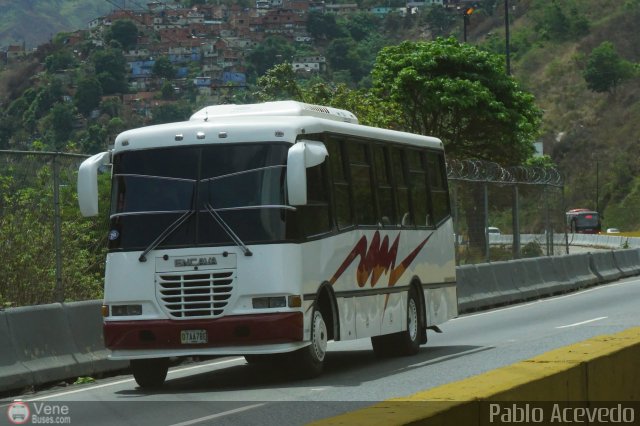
(503, 213)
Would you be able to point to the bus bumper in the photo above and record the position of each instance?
(229, 332)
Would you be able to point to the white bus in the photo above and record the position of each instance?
(267, 230)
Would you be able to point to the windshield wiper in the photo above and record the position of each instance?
(168, 231)
(228, 230)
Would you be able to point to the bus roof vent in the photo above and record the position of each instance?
(279, 108)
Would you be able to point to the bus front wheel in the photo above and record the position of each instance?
(309, 360)
(150, 373)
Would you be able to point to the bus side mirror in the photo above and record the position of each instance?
(301, 156)
(88, 183)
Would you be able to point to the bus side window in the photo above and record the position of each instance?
(341, 197)
(418, 185)
(438, 186)
(360, 169)
(387, 216)
(315, 215)
(403, 217)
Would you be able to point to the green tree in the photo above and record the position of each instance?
(462, 95)
(163, 68)
(273, 50)
(43, 100)
(361, 25)
(61, 120)
(323, 26)
(171, 113)
(560, 20)
(439, 21)
(124, 32)
(279, 83)
(110, 67)
(166, 91)
(26, 232)
(88, 94)
(59, 60)
(605, 69)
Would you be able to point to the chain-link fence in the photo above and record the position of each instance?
(505, 213)
(49, 251)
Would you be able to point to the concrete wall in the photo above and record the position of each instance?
(599, 372)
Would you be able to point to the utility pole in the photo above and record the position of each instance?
(597, 185)
(465, 21)
(506, 35)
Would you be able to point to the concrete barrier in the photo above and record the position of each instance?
(586, 374)
(627, 261)
(13, 373)
(476, 288)
(604, 266)
(42, 342)
(554, 277)
(84, 320)
(506, 290)
(578, 270)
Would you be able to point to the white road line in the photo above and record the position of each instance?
(448, 357)
(119, 382)
(582, 322)
(215, 416)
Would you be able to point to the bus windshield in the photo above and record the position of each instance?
(587, 219)
(242, 183)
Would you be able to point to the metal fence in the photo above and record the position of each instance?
(488, 200)
(49, 252)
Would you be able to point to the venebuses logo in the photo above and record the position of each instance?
(18, 412)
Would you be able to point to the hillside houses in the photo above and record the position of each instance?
(213, 39)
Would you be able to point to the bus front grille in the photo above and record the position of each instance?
(195, 295)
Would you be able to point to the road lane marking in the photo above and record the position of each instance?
(119, 382)
(448, 357)
(582, 322)
(218, 415)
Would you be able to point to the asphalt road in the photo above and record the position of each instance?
(228, 391)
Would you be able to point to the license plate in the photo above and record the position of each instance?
(193, 337)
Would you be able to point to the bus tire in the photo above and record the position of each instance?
(309, 361)
(405, 342)
(409, 340)
(150, 373)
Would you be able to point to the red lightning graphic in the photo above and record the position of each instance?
(377, 259)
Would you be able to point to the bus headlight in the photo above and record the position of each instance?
(269, 302)
(126, 310)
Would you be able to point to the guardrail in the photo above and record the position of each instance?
(50, 343)
(583, 240)
(56, 342)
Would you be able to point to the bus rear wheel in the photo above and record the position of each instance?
(405, 342)
(409, 340)
(150, 373)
